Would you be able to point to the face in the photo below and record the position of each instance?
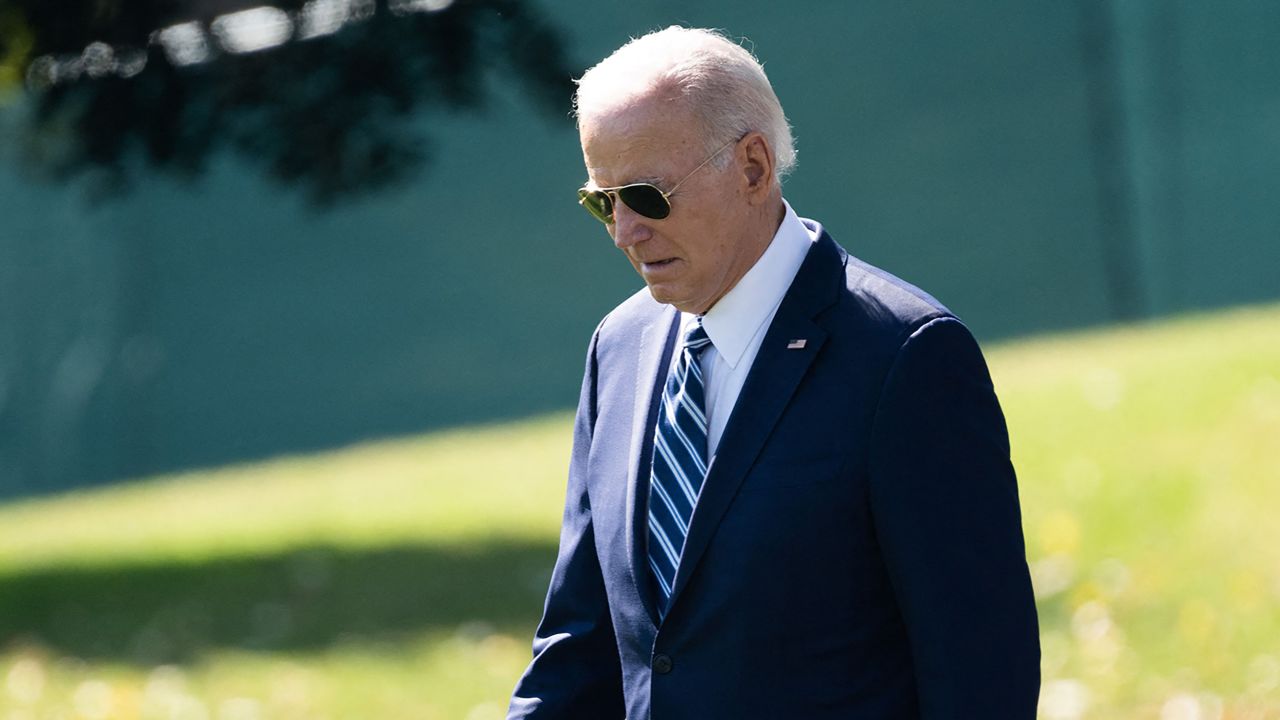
(695, 255)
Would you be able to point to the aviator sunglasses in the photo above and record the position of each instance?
(644, 198)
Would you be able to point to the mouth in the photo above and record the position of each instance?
(655, 265)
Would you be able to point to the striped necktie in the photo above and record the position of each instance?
(679, 462)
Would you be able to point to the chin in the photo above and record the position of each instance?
(660, 295)
(664, 296)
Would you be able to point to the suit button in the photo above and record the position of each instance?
(662, 664)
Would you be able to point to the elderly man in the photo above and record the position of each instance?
(790, 493)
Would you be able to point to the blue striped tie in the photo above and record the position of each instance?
(679, 462)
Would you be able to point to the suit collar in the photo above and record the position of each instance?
(773, 378)
(657, 342)
(778, 370)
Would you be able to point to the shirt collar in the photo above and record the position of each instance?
(733, 321)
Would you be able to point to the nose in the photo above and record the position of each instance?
(629, 227)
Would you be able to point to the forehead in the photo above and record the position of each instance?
(642, 140)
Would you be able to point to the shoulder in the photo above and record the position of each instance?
(638, 309)
(624, 331)
(877, 307)
(631, 317)
(886, 303)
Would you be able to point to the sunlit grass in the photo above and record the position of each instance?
(402, 579)
(434, 676)
(451, 487)
(1150, 463)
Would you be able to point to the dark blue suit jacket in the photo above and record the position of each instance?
(856, 551)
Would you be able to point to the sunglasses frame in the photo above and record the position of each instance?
(607, 197)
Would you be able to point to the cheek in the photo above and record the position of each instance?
(626, 255)
(721, 255)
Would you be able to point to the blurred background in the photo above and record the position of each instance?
(294, 299)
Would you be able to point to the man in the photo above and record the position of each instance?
(790, 493)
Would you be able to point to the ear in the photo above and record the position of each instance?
(756, 160)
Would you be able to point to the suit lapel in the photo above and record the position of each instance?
(656, 343)
(771, 382)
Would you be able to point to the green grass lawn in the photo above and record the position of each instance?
(403, 579)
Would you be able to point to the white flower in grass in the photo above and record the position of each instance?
(1065, 699)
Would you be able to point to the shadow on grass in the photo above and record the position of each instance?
(306, 599)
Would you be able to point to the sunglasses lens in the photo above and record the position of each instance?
(643, 198)
(646, 200)
(598, 204)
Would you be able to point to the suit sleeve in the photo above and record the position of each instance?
(576, 672)
(945, 503)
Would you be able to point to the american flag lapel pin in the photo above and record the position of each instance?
(797, 344)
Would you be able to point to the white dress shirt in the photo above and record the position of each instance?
(737, 323)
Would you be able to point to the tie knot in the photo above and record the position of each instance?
(695, 338)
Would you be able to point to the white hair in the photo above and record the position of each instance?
(724, 84)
